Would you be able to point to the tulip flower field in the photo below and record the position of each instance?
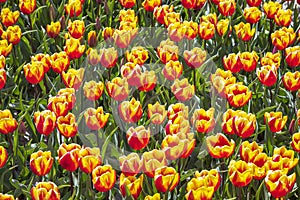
(149, 99)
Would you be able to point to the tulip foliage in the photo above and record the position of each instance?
(149, 99)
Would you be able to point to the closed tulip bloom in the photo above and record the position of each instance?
(76, 28)
(69, 95)
(118, 88)
(53, 29)
(13, 34)
(283, 37)
(267, 75)
(244, 124)
(176, 31)
(130, 111)
(127, 3)
(171, 17)
(2, 62)
(132, 73)
(3, 157)
(271, 8)
(230, 63)
(291, 81)
(191, 29)
(45, 121)
(227, 7)
(68, 156)
(74, 8)
(93, 90)
(253, 3)
(138, 137)
(8, 124)
(6, 197)
(93, 56)
(107, 33)
(43, 59)
(153, 160)
(206, 30)
(131, 183)
(283, 17)
(227, 122)
(238, 95)
(222, 27)
(275, 121)
(5, 48)
(2, 78)
(150, 5)
(60, 62)
(67, 125)
(221, 79)
(279, 184)
(92, 39)
(248, 151)
(252, 14)
(271, 59)
(73, 78)
(203, 120)
(108, 57)
(156, 196)
(45, 191)
(89, 159)
(189, 4)
(167, 53)
(240, 173)
(160, 12)
(244, 31)
(27, 6)
(248, 60)
(172, 70)
(219, 146)
(147, 81)
(173, 146)
(182, 89)
(292, 56)
(104, 178)
(41, 162)
(137, 55)
(59, 105)
(211, 17)
(296, 142)
(177, 125)
(166, 179)
(157, 113)
(95, 119)
(130, 165)
(8, 17)
(123, 38)
(73, 48)
(195, 57)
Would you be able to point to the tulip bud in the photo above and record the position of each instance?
(98, 24)
(92, 39)
(62, 21)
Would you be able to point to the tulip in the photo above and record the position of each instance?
(206, 30)
(93, 56)
(227, 122)
(199, 4)
(127, 3)
(267, 75)
(211, 177)
(172, 70)
(156, 196)
(2, 78)
(291, 81)
(283, 17)
(3, 156)
(221, 79)
(92, 39)
(89, 159)
(271, 59)
(271, 8)
(190, 143)
(157, 113)
(74, 8)
(275, 121)
(118, 88)
(222, 27)
(132, 73)
(95, 119)
(59, 105)
(211, 17)
(27, 6)
(283, 37)
(41, 162)
(248, 151)
(173, 146)
(230, 63)
(2, 62)
(171, 17)
(123, 38)
(153, 160)
(252, 14)
(295, 142)
(284, 157)
(189, 4)
(219, 146)
(93, 90)
(203, 121)
(138, 137)
(178, 109)
(5, 48)
(150, 5)
(176, 31)
(197, 188)
(194, 58)
(68, 156)
(166, 179)
(8, 17)
(34, 72)
(191, 29)
(45, 121)
(147, 81)
(244, 31)
(69, 95)
(6, 197)
(167, 51)
(279, 184)
(248, 60)
(182, 90)
(76, 28)
(60, 62)
(73, 48)
(240, 173)
(67, 125)
(161, 11)
(137, 55)
(178, 124)
(292, 56)
(108, 57)
(44, 59)
(104, 178)
(244, 124)
(130, 165)
(45, 191)
(238, 95)
(73, 78)
(53, 29)
(13, 34)
(227, 7)
(132, 184)
(107, 33)
(259, 166)
(128, 16)
(8, 124)
(130, 111)
(254, 3)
